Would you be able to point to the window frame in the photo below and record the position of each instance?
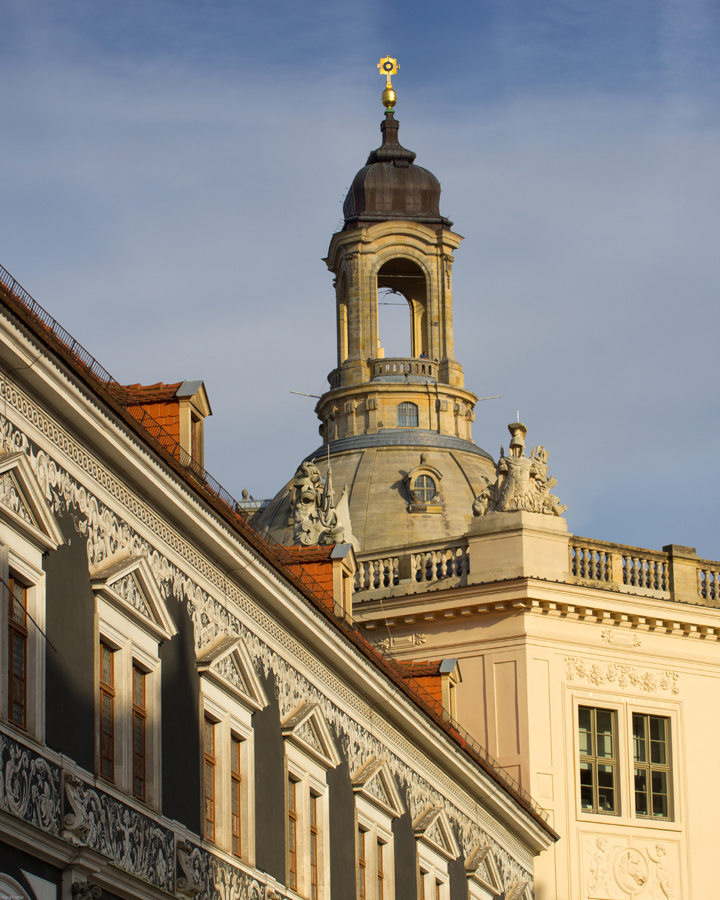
(408, 410)
(310, 779)
(595, 760)
(232, 722)
(624, 709)
(132, 648)
(22, 560)
(649, 767)
(377, 827)
(18, 630)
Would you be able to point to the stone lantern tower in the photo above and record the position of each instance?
(394, 237)
(396, 430)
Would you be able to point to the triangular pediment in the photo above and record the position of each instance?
(308, 730)
(433, 827)
(482, 868)
(227, 663)
(24, 505)
(375, 781)
(128, 584)
(519, 890)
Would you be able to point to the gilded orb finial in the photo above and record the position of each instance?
(388, 66)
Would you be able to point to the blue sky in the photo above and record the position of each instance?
(173, 172)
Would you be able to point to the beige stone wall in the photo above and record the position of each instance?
(532, 651)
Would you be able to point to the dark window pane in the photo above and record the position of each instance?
(641, 786)
(606, 788)
(585, 725)
(604, 733)
(639, 744)
(587, 800)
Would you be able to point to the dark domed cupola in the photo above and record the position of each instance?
(390, 186)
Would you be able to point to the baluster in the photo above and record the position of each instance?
(429, 566)
(702, 583)
(625, 569)
(395, 570)
(414, 567)
(376, 573)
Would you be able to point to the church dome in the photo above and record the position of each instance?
(390, 186)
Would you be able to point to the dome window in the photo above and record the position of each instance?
(407, 415)
(424, 489)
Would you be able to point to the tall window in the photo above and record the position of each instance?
(292, 833)
(380, 870)
(209, 779)
(362, 863)
(139, 717)
(314, 847)
(423, 882)
(651, 753)
(107, 712)
(598, 760)
(408, 415)
(18, 654)
(235, 788)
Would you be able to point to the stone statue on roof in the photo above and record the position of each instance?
(522, 483)
(317, 517)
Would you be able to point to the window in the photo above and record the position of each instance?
(380, 858)
(314, 848)
(424, 488)
(598, 760)
(107, 712)
(436, 848)
(362, 863)
(408, 415)
(17, 654)
(236, 794)
(209, 746)
(651, 757)
(139, 715)
(231, 692)
(29, 529)
(132, 619)
(377, 803)
(292, 833)
(309, 751)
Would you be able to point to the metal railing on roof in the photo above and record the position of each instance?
(277, 553)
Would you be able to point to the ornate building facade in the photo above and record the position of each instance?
(587, 669)
(189, 709)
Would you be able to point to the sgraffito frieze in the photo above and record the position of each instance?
(206, 877)
(29, 786)
(106, 532)
(133, 841)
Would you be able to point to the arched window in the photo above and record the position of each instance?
(424, 488)
(408, 415)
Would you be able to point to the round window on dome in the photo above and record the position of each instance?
(424, 488)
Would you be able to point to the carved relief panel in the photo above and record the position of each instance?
(624, 867)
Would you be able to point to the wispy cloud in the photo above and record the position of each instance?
(174, 171)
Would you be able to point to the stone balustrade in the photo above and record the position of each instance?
(708, 581)
(672, 574)
(613, 563)
(417, 568)
(380, 368)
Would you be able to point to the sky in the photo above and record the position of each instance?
(172, 172)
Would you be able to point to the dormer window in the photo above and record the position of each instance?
(407, 415)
